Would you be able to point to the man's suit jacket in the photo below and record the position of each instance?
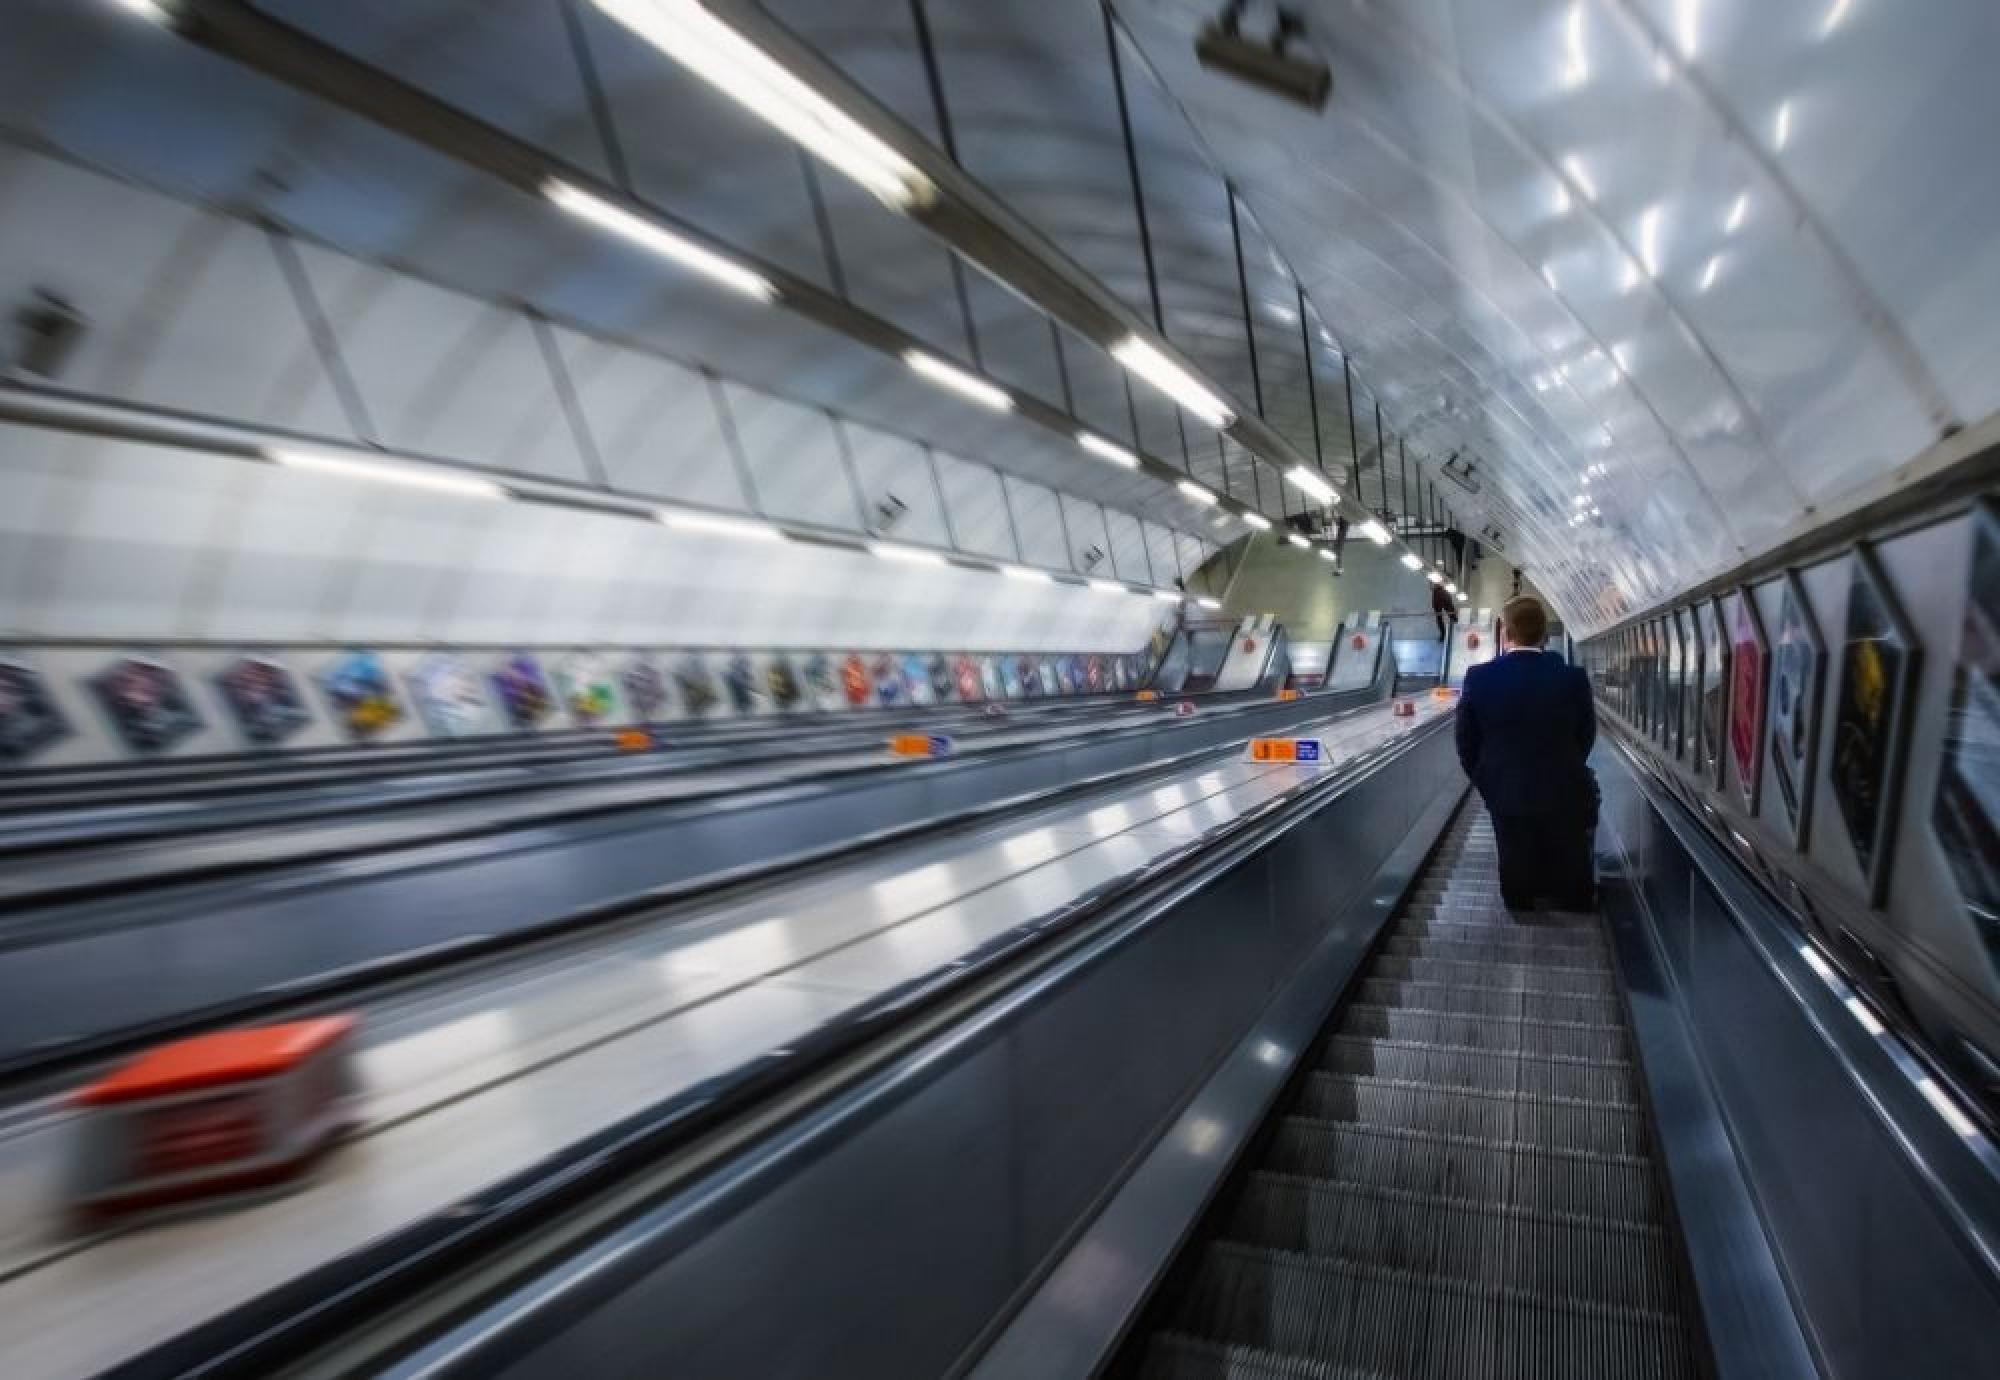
(1525, 727)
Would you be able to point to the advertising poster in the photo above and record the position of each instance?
(146, 702)
(1010, 678)
(1052, 682)
(1797, 662)
(1096, 675)
(696, 687)
(1748, 677)
(1030, 672)
(1680, 654)
(781, 682)
(944, 686)
(888, 676)
(740, 679)
(822, 685)
(268, 704)
(30, 719)
(1072, 673)
(588, 691)
(990, 679)
(917, 680)
(967, 674)
(1966, 814)
(1714, 689)
(1878, 669)
(523, 692)
(364, 701)
(854, 680)
(645, 690)
(450, 700)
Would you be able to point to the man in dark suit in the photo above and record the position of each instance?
(1525, 727)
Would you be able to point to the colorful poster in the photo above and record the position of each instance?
(1966, 815)
(823, 688)
(30, 719)
(450, 700)
(1010, 677)
(697, 688)
(781, 682)
(1714, 690)
(1030, 672)
(943, 685)
(991, 681)
(523, 692)
(1878, 670)
(588, 690)
(268, 704)
(739, 677)
(888, 677)
(1748, 689)
(968, 680)
(854, 680)
(1797, 662)
(916, 680)
(363, 697)
(1096, 675)
(146, 702)
(645, 690)
(1052, 683)
(1680, 653)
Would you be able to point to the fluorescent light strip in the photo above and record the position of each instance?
(908, 555)
(1818, 964)
(657, 239)
(1166, 596)
(959, 381)
(1858, 1009)
(720, 525)
(713, 50)
(1197, 493)
(1450, 588)
(1256, 520)
(1946, 1108)
(1324, 554)
(1376, 532)
(1108, 587)
(1304, 480)
(1410, 561)
(1434, 577)
(1177, 383)
(1296, 540)
(1208, 603)
(431, 477)
(1105, 450)
(1026, 575)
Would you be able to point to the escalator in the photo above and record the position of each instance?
(1459, 1181)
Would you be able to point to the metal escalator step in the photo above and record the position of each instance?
(1411, 942)
(1422, 1326)
(1505, 1117)
(1513, 977)
(1417, 1025)
(1623, 1264)
(1487, 1001)
(1464, 1066)
(1178, 1356)
(1474, 927)
(1501, 1173)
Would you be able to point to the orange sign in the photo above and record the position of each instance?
(634, 740)
(1288, 694)
(1145, 695)
(1405, 708)
(1285, 750)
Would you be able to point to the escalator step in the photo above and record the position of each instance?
(1624, 1264)
(1176, 1356)
(1471, 926)
(1419, 1026)
(1507, 1117)
(1423, 1326)
(1498, 1172)
(1414, 942)
(1484, 1070)
(1488, 1001)
(1513, 977)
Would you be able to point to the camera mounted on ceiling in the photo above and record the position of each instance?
(1273, 64)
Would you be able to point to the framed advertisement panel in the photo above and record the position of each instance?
(1798, 666)
(1712, 706)
(1674, 736)
(1879, 655)
(1965, 816)
(146, 703)
(363, 697)
(1749, 691)
(266, 700)
(30, 718)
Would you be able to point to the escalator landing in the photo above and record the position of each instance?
(1461, 1183)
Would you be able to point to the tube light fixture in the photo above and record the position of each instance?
(146, 9)
(1027, 575)
(1108, 587)
(1167, 596)
(657, 239)
(711, 48)
(1434, 577)
(908, 555)
(959, 381)
(1326, 555)
(432, 477)
(1256, 520)
(1296, 540)
(1410, 561)
(1464, 598)
(1450, 588)
(1177, 383)
(720, 525)
(1208, 603)
(1299, 477)
(1105, 450)
(1375, 532)
(1197, 493)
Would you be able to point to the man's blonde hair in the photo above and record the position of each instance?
(1526, 621)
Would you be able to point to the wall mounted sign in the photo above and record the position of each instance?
(449, 698)
(1749, 685)
(266, 701)
(1712, 715)
(363, 697)
(1798, 663)
(30, 719)
(523, 691)
(1878, 671)
(645, 689)
(146, 702)
(587, 689)
(1966, 813)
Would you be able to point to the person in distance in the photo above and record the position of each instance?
(1445, 609)
(1526, 724)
